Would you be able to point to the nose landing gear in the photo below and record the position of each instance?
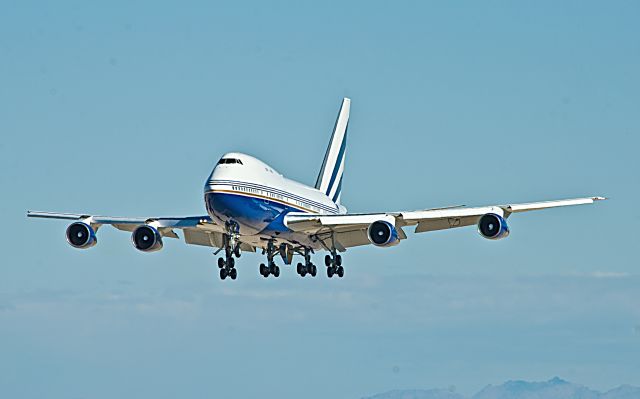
(231, 248)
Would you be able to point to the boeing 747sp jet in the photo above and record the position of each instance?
(251, 207)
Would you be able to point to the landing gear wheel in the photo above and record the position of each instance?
(220, 263)
(340, 271)
(236, 251)
(231, 262)
(276, 271)
(314, 270)
(330, 272)
(299, 268)
(338, 261)
(223, 273)
(264, 270)
(327, 260)
(233, 273)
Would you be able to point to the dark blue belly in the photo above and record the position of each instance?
(257, 213)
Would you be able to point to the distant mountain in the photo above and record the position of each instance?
(418, 394)
(623, 392)
(555, 388)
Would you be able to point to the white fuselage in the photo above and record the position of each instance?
(246, 191)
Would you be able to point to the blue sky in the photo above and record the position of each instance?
(124, 108)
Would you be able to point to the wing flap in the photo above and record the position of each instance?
(445, 223)
(415, 217)
(307, 222)
(197, 237)
(353, 238)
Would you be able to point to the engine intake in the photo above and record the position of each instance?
(81, 235)
(493, 227)
(382, 234)
(146, 239)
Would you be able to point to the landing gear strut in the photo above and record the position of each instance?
(231, 248)
(271, 267)
(308, 266)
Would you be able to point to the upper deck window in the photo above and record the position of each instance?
(229, 160)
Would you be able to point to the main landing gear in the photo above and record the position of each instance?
(333, 261)
(271, 267)
(231, 249)
(334, 264)
(308, 266)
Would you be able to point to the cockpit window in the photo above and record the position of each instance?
(229, 160)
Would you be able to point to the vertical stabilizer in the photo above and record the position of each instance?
(330, 177)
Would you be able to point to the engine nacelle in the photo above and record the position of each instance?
(383, 234)
(146, 238)
(493, 227)
(81, 235)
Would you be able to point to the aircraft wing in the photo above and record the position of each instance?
(198, 230)
(350, 230)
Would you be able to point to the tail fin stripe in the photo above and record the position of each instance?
(337, 194)
(330, 175)
(338, 164)
(326, 157)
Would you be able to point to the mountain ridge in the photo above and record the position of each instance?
(555, 388)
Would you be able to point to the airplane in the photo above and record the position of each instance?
(250, 207)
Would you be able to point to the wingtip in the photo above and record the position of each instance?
(599, 198)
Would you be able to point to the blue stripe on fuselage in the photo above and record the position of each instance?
(257, 213)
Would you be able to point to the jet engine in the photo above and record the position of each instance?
(81, 235)
(146, 238)
(493, 227)
(383, 234)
